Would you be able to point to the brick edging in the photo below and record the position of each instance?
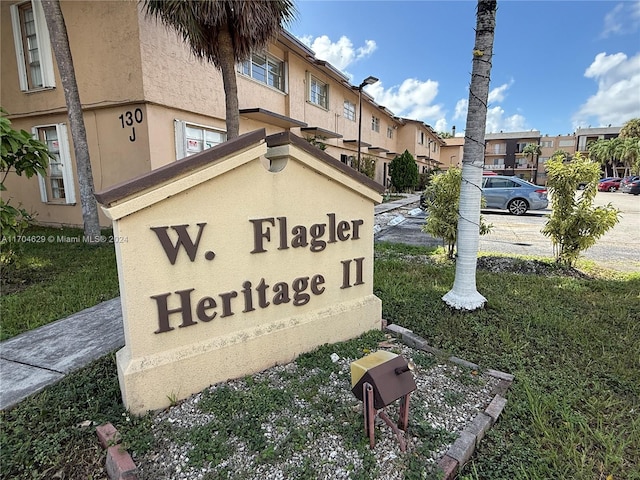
(119, 464)
(462, 449)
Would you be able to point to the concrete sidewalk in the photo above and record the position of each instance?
(401, 202)
(33, 360)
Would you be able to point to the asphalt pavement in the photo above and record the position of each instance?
(618, 249)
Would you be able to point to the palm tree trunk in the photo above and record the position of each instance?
(228, 68)
(464, 294)
(62, 51)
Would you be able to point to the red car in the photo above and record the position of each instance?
(610, 185)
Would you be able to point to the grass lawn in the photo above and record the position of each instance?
(572, 343)
(53, 279)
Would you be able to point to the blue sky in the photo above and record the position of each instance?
(558, 65)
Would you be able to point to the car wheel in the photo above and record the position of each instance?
(612, 188)
(518, 206)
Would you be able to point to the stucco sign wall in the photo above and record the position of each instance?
(237, 259)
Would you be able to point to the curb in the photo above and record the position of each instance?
(119, 464)
(462, 449)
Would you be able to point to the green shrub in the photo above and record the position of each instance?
(21, 153)
(404, 172)
(574, 224)
(367, 165)
(441, 199)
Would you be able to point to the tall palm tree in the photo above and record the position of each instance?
(60, 44)
(224, 32)
(464, 294)
(630, 134)
(533, 150)
(629, 152)
(602, 151)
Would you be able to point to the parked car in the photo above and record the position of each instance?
(582, 185)
(610, 185)
(631, 187)
(513, 194)
(628, 179)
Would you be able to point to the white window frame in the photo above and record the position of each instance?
(182, 149)
(350, 110)
(247, 69)
(66, 166)
(44, 47)
(311, 95)
(375, 123)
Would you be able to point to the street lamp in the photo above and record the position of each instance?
(367, 81)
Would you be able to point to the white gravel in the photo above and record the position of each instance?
(447, 399)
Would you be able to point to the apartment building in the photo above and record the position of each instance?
(148, 102)
(504, 152)
(586, 136)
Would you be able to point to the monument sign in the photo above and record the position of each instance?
(237, 259)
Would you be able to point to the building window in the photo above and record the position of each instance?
(192, 138)
(57, 186)
(546, 144)
(520, 147)
(375, 124)
(265, 69)
(499, 148)
(389, 132)
(318, 92)
(421, 138)
(566, 143)
(349, 110)
(33, 49)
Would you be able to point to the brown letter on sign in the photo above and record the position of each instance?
(184, 240)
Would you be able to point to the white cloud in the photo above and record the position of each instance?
(340, 54)
(462, 106)
(618, 97)
(412, 99)
(623, 19)
(496, 120)
(498, 94)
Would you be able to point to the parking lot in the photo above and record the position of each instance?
(619, 248)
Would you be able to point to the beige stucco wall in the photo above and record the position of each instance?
(162, 362)
(114, 158)
(104, 44)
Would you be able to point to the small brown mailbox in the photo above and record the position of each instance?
(378, 380)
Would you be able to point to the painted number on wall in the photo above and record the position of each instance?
(128, 119)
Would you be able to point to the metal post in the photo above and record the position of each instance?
(403, 420)
(369, 413)
(359, 121)
(383, 415)
(367, 81)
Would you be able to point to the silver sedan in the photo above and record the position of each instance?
(513, 194)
